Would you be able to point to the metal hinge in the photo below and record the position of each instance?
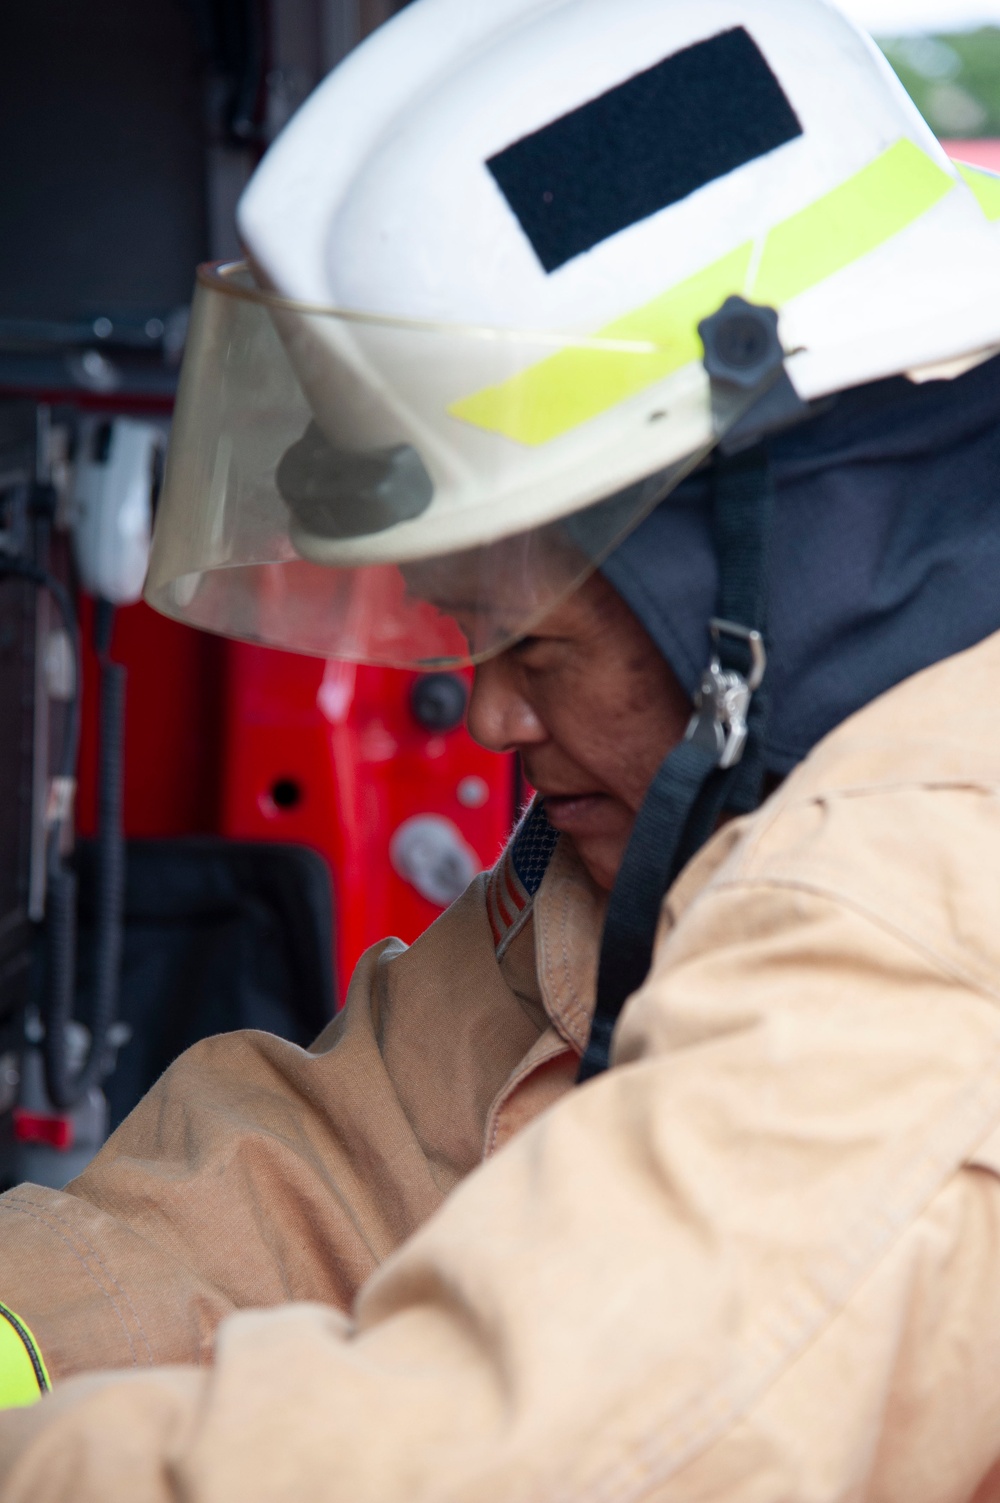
(722, 704)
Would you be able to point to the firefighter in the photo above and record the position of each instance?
(664, 388)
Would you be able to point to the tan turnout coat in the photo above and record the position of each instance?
(758, 1260)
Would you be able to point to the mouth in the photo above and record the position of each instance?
(576, 813)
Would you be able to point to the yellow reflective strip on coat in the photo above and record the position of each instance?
(23, 1378)
(565, 390)
(985, 185)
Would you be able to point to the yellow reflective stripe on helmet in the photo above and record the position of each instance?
(846, 224)
(580, 383)
(985, 185)
(565, 390)
(23, 1377)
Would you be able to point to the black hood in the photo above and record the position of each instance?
(885, 552)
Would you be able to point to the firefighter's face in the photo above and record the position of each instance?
(593, 709)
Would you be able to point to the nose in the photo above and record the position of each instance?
(500, 716)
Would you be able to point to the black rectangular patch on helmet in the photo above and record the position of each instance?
(644, 145)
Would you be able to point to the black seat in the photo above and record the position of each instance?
(219, 935)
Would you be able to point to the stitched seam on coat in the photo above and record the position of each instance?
(793, 800)
(797, 1318)
(931, 783)
(49, 1219)
(524, 1072)
(788, 799)
(515, 929)
(949, 967)
(567, 1009)
(576, 1008)
(834, 894)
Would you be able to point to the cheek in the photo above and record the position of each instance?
(620, 730)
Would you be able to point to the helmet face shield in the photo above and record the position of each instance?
(547, 207)
(447, 610)
(308, 505)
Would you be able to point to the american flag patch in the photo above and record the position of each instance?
(517, 876)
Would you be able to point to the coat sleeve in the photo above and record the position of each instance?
(256, 1172)
(754, 1261)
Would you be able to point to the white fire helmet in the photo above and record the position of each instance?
(464, 359)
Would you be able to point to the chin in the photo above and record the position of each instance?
(601, 863)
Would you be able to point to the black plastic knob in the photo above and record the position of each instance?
(741, 343)
(438, 701)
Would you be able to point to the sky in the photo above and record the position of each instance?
(894, 17)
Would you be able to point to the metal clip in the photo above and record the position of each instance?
(722, 704)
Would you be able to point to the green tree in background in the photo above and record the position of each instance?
(954, 79)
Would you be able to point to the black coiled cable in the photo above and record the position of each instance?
(66, 1087)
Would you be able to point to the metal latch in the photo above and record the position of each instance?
(722, 704)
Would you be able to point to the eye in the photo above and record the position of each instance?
(536, 651)
(541, 654)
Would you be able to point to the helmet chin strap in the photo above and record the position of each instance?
(720, 763)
